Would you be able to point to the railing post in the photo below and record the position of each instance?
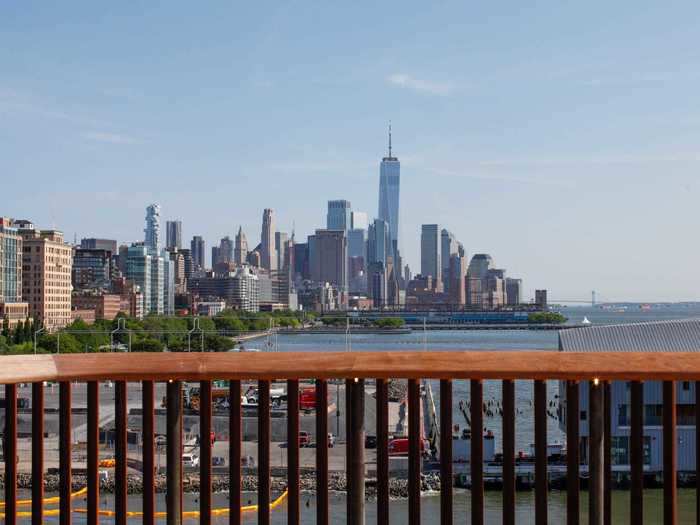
(322, 452)
(697, 452)
(10, 454)
(93, 437)
(670, 450)
(414, 452)
(64, 452)
(173, 497)
(205, 446)
(446, 478)
(541, 481)
(293, 510)
(37, 453)
(263, 452)
(234, 452)
(148, 425)
(120, 469)
(636, 452)
(572, 453)
(476, 465)
(508, 393)
(595, 459)
(382, 451)
(607, 460)
(356, 483)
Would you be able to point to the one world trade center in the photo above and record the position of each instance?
(389, 181)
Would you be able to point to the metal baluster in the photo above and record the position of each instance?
(446, 478)
(508, 452)
(541, 483)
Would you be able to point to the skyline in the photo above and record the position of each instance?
(553, 138)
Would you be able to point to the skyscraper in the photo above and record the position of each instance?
(339, 215)
(99, 244)
(268, 254)
(152, 230)
(357, 243)
(173, 234)
(281, 248)
(328, 253)
(457, 273)
(240, 252)
(378, 242)
(514, 291)
(197, 249)
(389, 182)
(154, 273)
(449, 247)
(477, 273)
(226, 250)
(359, 220)
(430, 263)
(215, 255)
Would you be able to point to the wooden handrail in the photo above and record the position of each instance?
(326, 365)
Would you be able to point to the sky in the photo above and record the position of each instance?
(559, 137)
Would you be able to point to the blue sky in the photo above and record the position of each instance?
(560, 138)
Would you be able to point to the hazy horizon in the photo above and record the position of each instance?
(560, 139)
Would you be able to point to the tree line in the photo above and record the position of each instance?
(151, 334)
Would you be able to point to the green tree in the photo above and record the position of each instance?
(147, 344)
(6, 327)
(217, 343)
(60, 343)
(546, 318)
(18, 336)
(28, 334)
(389, 322)
(229, 324)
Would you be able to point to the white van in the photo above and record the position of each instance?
(190, 460)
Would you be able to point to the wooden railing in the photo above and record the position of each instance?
(597, 369)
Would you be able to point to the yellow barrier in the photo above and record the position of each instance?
(47, 501)
(188, 514)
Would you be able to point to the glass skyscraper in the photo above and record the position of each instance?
(152, 230)
(339, 215)
(389, 182)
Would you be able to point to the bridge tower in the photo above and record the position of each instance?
(593, 298)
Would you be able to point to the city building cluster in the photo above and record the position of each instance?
(354, 263)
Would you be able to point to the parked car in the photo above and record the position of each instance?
(331, 442)
(304, 438)
(160, 440)
(218, 461)
(370, 441)
(190, 460)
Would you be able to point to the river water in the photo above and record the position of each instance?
(430, 508)
(463, 340)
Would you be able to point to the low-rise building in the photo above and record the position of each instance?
(106, 306)
(86, 315)
(210, 308)
(667, 336)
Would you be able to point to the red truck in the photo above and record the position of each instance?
(307, 399)
(399, 447)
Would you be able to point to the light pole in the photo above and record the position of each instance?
(42, 329)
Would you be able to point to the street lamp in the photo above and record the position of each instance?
(42, 329)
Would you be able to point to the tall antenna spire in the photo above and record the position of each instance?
(390, 139)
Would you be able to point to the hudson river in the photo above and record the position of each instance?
(465, 340)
